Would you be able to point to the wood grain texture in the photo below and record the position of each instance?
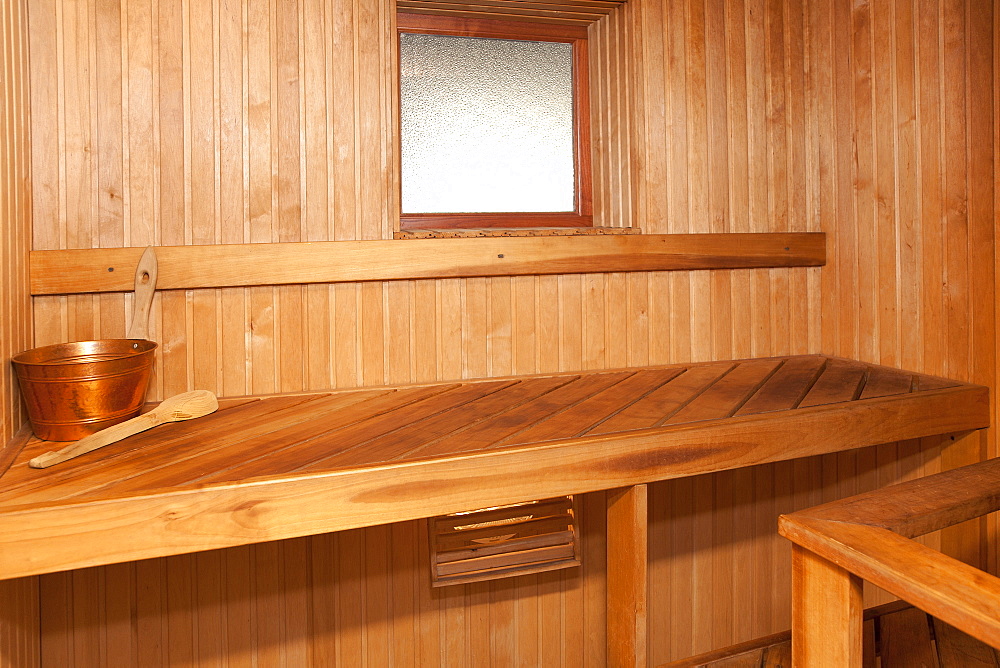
(958, 648)
(187, 267)
(15, 211)
(917, 507)
(504, 542)
(869, 536)
(628, 576)
(775, 650)
(565, 12)
(743, 118)
(20, 623)
(20, 620)
(945, 587)
(826, 612)
(906, 639)
(348, 460)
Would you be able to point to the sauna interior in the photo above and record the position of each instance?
(165, 123)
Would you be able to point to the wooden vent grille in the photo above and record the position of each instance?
(504, 542)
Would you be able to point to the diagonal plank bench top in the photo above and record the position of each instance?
(282, 466)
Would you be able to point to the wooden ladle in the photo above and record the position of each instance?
(145, 285)
(175, 409)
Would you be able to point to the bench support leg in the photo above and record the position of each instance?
(827, 612)
(627, 577)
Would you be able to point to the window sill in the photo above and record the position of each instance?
(512, 232)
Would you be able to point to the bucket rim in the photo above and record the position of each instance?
(138, 347)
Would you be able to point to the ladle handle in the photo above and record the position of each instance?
(106, 436)
(145, 286)
(177, 408)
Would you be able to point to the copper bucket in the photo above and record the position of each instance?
(72, 390)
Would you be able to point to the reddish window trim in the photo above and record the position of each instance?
(582, 215)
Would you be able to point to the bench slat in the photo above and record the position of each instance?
(579, 418)
(508, 427)
(196, 462)
(883, 382)
(124, 459)
(660, 404)
(328, 448)
(840, 381)
(407, 439)
(729, 393)
(786, 388)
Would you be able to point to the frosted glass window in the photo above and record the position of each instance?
(487, 125)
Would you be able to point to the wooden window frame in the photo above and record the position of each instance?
(582, 214)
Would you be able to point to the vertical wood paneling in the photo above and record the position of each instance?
(613, 134)
(15, 210)
(236, 121)
(20, 639)
(20, 623)
(851, 118)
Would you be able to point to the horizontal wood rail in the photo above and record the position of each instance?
(567, 12)
(869, 537)
(238, 265)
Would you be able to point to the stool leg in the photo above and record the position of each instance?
(827, 613)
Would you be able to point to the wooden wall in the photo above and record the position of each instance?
(231, 122)
(15, 209)
(615, 125)
(19, 611)
(875, 122)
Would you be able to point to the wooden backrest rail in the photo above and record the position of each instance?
(229, 265)
(869, 536)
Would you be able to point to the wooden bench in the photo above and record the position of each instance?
(869, 537)
(276, 467)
